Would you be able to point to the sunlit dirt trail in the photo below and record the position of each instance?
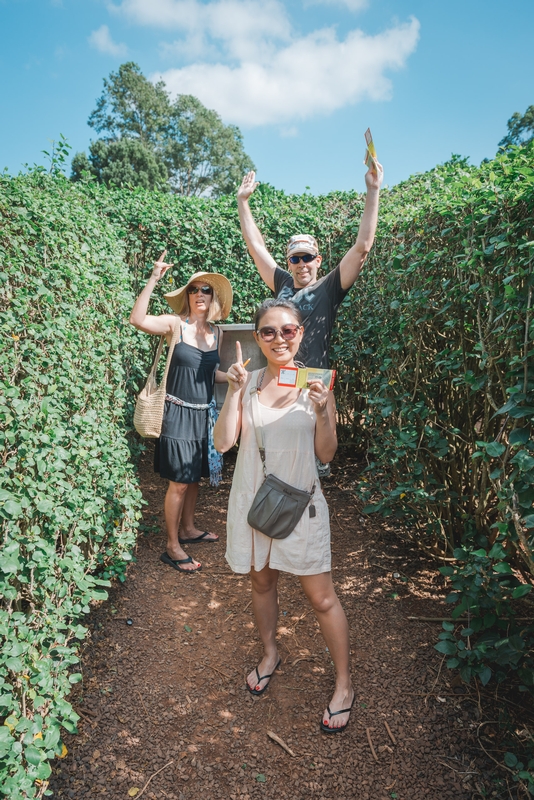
(164, 712)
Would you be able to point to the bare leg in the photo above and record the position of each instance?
(265, 606)
(174, 502)
(187, 525)
(320, 591)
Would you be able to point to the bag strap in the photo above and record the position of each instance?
(258, 430)
(177, 332)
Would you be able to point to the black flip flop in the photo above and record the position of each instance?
(262, 678)
(327, 728)
(172, 562)
(197, 539)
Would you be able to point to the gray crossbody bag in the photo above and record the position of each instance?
(277, 506)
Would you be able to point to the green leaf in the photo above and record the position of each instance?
(521, 591)
(260, 777)
(503, 568)
(33, 755)
(510, 760)
(11, 509)
(447, 647)
(188, 628)
(484, 675)
(495, 449)
(519, 436)
(497, 551)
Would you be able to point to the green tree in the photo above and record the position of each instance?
(520, 128)
(202, 154)
(149, 139)
(122, 162)
(131, 107)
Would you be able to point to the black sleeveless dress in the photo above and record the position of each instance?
(181, 453)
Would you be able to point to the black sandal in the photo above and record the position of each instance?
(262, 678)
(327, 728)
(200, 539)
(175, 562)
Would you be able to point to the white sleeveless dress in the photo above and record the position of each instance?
(289, 435)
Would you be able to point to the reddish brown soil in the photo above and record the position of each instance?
(167, 694)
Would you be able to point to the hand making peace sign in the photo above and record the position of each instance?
(237, 373)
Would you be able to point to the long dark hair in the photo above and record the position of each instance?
(275, 302)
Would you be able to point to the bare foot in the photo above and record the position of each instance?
(177, 554)
(195, 533)
(266, 667)
(342, 699)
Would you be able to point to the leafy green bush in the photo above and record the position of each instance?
(69, 501)
(436, 358)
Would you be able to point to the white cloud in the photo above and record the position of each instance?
(314, 75)
(351, 5)
(244, 59)
(101, 40)
(241, 26)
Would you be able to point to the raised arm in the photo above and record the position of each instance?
(251, 234)
(162, 325)
(353, 261)
(228, 425)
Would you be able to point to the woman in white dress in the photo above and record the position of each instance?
(297, 426)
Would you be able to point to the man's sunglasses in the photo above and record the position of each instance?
(197, 289)
(306, 258)
(288, 332)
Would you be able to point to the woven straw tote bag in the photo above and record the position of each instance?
(148, 414)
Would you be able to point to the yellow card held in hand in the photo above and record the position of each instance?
(299, 378)
(370, 153)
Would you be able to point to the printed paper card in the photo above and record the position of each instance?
(370, 154)
(299, 378)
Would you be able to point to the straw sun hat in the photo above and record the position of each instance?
(221, 285)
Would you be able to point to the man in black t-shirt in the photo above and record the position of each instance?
(317, 299)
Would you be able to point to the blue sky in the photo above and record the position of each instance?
(303, 79)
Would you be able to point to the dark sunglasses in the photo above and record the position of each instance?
(306, 258)
(288, 332)
(197, 289)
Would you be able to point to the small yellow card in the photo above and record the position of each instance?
(299, 378)
(370, 154)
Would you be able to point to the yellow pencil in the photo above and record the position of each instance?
(246, 362)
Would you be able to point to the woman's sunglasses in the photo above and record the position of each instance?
(197, 289)
(288, 332)
(306, 258)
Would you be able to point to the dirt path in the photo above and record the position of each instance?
(166, 693)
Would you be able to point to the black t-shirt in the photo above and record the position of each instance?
(318, 305)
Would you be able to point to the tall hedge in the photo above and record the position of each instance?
(436, 350)
(69, 501)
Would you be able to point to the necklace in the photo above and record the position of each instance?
(258, 385)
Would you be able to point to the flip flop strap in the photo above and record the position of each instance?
(263, 676)
(271, 675)
(188, 560)
(333, 713)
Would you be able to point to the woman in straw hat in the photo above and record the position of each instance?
(184, 452)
